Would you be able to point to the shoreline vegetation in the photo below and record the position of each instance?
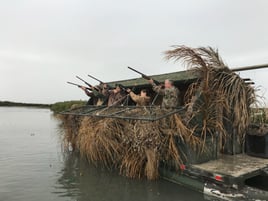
(55, 107)
(62, 106)
(259, 115)
(18, 104)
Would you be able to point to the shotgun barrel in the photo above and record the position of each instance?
(101, 82)
(84, 81)
(80, 86)
(94, 78)
(144, 76)
(90, 86)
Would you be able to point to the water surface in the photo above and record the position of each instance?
(34, 167)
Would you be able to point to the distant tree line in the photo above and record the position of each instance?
(56, 107)
(9, 104)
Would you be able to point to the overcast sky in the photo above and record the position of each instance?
(44, 43)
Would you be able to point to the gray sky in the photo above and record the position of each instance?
(45, 43)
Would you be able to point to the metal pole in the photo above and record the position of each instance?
(250, 67)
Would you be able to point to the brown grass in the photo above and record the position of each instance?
(219, 96)
(100, 141)
(136, 148)
(71, 124)
(140, 138)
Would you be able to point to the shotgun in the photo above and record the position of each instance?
(144, 76)
(80, 86)
(101, 82)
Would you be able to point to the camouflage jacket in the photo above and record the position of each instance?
(102, 96)
(97, 97)
(116, 99)
(141, 101)
(92, 100)
(170, 96)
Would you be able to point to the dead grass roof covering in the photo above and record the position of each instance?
(221, 95)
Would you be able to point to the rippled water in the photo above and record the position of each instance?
(34, 167)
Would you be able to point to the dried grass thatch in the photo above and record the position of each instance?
(135, 147)
(100, 140)
(219, 97)
(71, 125)
(142, 142)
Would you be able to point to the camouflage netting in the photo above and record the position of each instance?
(218, 100)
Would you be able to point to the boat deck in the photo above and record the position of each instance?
(234, 165)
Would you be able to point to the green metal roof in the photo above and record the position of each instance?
(179, 77)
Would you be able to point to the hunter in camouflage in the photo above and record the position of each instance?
(116, 96)
(98, 95)
(142, 99)
(170, 94)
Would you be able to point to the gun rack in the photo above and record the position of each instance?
(148, 113)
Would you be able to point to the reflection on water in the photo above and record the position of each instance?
(33, 167)
(85, 182)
